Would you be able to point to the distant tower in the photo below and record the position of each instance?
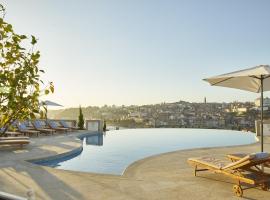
(205, 100)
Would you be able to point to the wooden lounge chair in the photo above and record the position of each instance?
(65, 125)
(238, 156)
(54, 126)
(13, 134)
(246, 170)
(14, 141)
(14, 138)
(38, 126)
(23, 129)
(10, 133)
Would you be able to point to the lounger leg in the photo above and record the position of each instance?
(237, 189)
(198, 170)
(264, 186)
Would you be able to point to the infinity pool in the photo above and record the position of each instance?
(112, 152)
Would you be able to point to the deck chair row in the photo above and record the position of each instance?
(38, 126)
(48, 127)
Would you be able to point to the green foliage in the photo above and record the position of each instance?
(80, 119)
(20, 83)
(43, 112)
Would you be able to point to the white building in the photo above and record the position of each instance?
(266, 102)
(239, 110)
(134, 114)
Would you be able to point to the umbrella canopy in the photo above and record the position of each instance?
(248, 79)
(49, 103)
(255, 79)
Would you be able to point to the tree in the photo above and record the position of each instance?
(20, 83)
(80, 119)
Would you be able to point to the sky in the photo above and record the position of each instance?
(135, 52)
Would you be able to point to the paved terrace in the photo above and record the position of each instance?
(165, 176)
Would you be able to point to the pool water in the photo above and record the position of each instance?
(113, 151)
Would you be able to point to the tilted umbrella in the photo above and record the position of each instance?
(48, 103)
(255, 79)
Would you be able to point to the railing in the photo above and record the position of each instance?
(90, 124)
(70, 122)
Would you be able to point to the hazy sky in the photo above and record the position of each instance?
(143, 51)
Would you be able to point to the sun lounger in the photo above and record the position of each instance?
(23, 129)
(238, 156)
(246, 170)
(14, 141)
(38, 126)
(13, 134)
(14, 138)
(10, 133)
(65, 125)
(54, 126)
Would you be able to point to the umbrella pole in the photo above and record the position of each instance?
(261, 113)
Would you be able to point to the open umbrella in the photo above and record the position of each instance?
(48, 103)
(255, 79)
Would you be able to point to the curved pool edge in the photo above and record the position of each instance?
(139, 162)
(67, 154)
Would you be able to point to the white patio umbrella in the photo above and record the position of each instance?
(48, 103)
(255, 79)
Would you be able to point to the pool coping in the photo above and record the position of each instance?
(65, 154)
(133, 164)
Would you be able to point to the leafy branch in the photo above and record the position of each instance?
(20, 83)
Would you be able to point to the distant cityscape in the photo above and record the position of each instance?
(181, 114)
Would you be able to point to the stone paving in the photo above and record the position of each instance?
(165, 176)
